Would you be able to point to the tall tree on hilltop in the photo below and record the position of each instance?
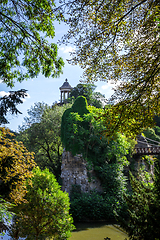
(119, 40)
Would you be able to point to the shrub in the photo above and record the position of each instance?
(92, 206)
(46, 213)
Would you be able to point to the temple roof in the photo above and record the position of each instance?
(65, 85)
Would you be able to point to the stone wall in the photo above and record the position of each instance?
(74, 171)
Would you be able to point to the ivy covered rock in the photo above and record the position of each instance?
(83, 133)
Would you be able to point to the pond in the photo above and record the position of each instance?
(97, 231)
(92, 231)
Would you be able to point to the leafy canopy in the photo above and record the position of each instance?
(119, 41)
(24, 49)
(8, 104)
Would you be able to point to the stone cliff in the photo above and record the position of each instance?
(74, 171)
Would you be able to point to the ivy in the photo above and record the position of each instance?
(82, 132)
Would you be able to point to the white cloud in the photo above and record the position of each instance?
(108, 85)
(3, 93)
(111, 85)
(104, 87)
(67, 49)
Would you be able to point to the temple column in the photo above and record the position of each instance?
(61, 96)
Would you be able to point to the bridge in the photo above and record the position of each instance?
(144, 148)
(147, 151)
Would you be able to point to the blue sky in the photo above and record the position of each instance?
(46, 90)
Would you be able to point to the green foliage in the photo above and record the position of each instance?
(144, 210)
(125, 119)
(24, 49)
(41, 133)
(87, 90)
(106, 156)
(75, 126)
(80, 106)
(5, 214)
(46, 212)
(89, 206)
(118, 41)
(157, 130)
(157, 120)
(86, 133)
(16, 164)
(94, 205)
(112, 179)
(8, 104)
(153, 133)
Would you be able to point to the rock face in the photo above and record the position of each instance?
(74, 171)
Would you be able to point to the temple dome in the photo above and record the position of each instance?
(65, 89)
(66, 85)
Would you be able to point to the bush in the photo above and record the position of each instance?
(46, 213)
(92, 206)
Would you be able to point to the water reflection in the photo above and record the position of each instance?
(97, 231)
(92, 231)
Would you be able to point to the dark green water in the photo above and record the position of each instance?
(97, 231)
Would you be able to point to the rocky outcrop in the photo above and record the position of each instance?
(74, 171)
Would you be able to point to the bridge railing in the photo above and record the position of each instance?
(147, 150)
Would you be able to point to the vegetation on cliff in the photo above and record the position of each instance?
(82, 132)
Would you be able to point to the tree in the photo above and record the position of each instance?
(87, 90)
(144, 210)
(24, 50)
(119, 40)
(41, 132)
(8, 104)
(46, 211)
(15, 166)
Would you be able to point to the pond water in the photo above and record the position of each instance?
(92, 231)
(97, 231)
